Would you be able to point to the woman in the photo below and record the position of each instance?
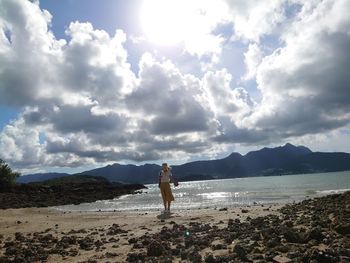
(165, 178)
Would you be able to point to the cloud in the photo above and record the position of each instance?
(305, 83)
(21, 145)
(254, 19)
(82, 104)
(22, 60)
(172, 102)
(252, 58)
(226, 102)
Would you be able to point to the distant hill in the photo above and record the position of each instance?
(73, 179)
(287, 159)
(127, 173)
(39, 177)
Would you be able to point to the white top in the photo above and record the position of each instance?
(165, 177)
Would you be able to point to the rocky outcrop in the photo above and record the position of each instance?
(41, 195)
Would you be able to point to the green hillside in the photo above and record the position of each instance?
(73, 179)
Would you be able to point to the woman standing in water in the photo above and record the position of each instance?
(165, 178)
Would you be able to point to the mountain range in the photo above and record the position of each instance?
(283, 160)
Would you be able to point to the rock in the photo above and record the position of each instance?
(273, 242)
(315, 234)
(111, 255)
(240, 251)
(72, 192)
(71, 240)
(132, 240)
(138, 245)
(258, 222)
(210, 259)
(292, 236)
(136, 257)
(48, 238)
(19, 236)
(73, 252)
(98, 243)
(193, 255)
(155, 249)
(267, 233)
(12, 250)
(111, 240)
(281, 259)
(115, 229)
(282, 248)
(244, 211)
(86, 243)
(223, 209)
(320, 256)
(343, 229)
(175, 251)
(256, 236)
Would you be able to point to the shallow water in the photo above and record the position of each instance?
(228, 192)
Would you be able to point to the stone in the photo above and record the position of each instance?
(210, 259)
(86, 243)
(292, 236)
(273, 242)
(316, 234)
(240, 251)
(155, 249)
(281, 259)
(19, 236)
(343, 229)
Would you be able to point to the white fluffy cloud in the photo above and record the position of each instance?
(253, 19)
(305, 83)
(252, 58)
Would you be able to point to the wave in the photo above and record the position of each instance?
(333, 191)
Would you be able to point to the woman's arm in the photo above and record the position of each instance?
(173, 180)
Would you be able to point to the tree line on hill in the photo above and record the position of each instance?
(7, 176)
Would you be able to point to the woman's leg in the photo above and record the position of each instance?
(164, 201)
(169, 202)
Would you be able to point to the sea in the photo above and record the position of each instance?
(227, 193)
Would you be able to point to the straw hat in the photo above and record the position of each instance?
(165, 165)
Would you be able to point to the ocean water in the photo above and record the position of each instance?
(227, 193)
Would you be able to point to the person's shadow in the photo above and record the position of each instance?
(165, 216)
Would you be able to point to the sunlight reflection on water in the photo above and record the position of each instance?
(228, 192)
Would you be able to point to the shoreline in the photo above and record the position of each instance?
(233, 233)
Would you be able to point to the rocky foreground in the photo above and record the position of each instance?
(41, 195)
(316, 230)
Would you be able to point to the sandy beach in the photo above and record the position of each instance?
(312, 229)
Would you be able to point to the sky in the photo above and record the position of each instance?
(87, 83)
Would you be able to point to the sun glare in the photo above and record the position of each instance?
(162, 23)
(169, 22)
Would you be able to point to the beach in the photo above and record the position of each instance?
(315, 229)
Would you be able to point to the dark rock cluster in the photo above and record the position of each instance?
(32, 195)
(38, 246)
(311, 231)
(314, 230)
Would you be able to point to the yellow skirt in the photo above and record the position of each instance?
(165, 190)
